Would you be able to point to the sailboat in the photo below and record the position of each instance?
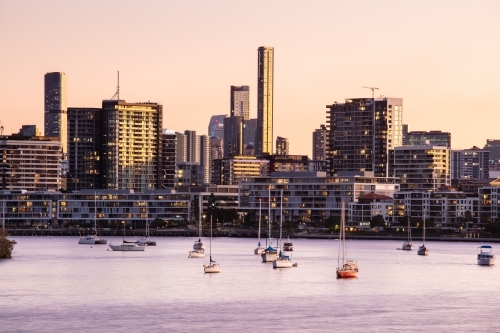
(127, 246)
(213, 267)
(270, 253)
(346, 268)
(3, 221)
(259, 249)
(93, 239)
(198, 246)
(282, 261)
(408, 245)
(146, 240)
(422, 250)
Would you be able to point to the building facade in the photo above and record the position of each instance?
(421, 138)
(169, 153)
(282, 146)
(361, 133)
(319, 143)
(231, 171)
(421, 167)
(55, 108)
(233, 136)
(265, 86)
(240, 102)
(216, 126)
(470, 163)
(30, 163)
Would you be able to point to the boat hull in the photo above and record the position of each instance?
(344, 274)
(212, 268)
(92, 240)
(127, 247)
(486, 261)
(101, 241)
(196, 254)
(423, 252)
(269, 257)
(279, 263)
(407, 246)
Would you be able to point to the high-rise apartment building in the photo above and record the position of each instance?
(434, 138)
(265, 85)
(30, 163)
(169, 145)
(180, 147)
(55, 108)
(471, 163)
(282, 146)
(493, 146)
(249, 131)
(85, 149)
(240, 101)
(233, 136)
(361, 133)
(132, 139)
(319, 144)
(421, 167)
(205, 160)
(192, 146)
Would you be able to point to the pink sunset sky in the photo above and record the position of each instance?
(441, 57)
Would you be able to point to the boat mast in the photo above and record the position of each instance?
(210, 239)
(260, 214)
(281, 218)
(423, 239)
(269, 217)
(95, 213)
(3, 213)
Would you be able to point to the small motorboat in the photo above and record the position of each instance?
(485, 256)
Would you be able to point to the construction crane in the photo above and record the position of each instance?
(1, 128)
(372, 89)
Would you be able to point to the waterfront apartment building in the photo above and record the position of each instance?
(55, 108)
(308, 196)
(287, 163)
(421, 167)
(282, 146)
(30, 163)
(360, 213)
(265, 85)
(189, 174)
(319, 143)
(470, 163)
(362, 131)
(240, 102)
(231, 171)
(85, 149)
(132, 140)
(434, 138)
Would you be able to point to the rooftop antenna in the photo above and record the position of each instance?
(372, 89)
(117, 93)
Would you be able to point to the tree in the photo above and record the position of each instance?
(158, 223)
(333, 222)
(6, 245)
(377, 221)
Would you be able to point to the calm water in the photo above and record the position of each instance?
(52, 284)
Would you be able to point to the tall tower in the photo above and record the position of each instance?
(282, 146)
(240, 101)
(265, 85)
(320, 137)
(55, 108)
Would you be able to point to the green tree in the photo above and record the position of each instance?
(158, 223)
(333, 222)
(6, 245)
(377, 221)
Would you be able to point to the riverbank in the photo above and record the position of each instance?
(241, 233)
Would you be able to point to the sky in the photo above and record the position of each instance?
(441, 57)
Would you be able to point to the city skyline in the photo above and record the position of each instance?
(440, 59)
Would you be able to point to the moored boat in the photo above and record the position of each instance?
(347, 268)
(485, 256)
(127, 246)
(408, 245)
(213, 266)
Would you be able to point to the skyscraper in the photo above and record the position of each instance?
(55, 108)
(233, 136)
(216, 126)
(265, 84)
(240, 101)
(361, 133)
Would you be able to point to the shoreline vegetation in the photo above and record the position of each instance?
(249, 233)
(6, 246)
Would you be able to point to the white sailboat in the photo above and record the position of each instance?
(213, 267)
(93, 239)
(270, 253)
(408, 245)
(127, 246)
(198, 246)
(282, 261)
(422, 250)
(346, 268)
(146, 239)
(259, 249)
